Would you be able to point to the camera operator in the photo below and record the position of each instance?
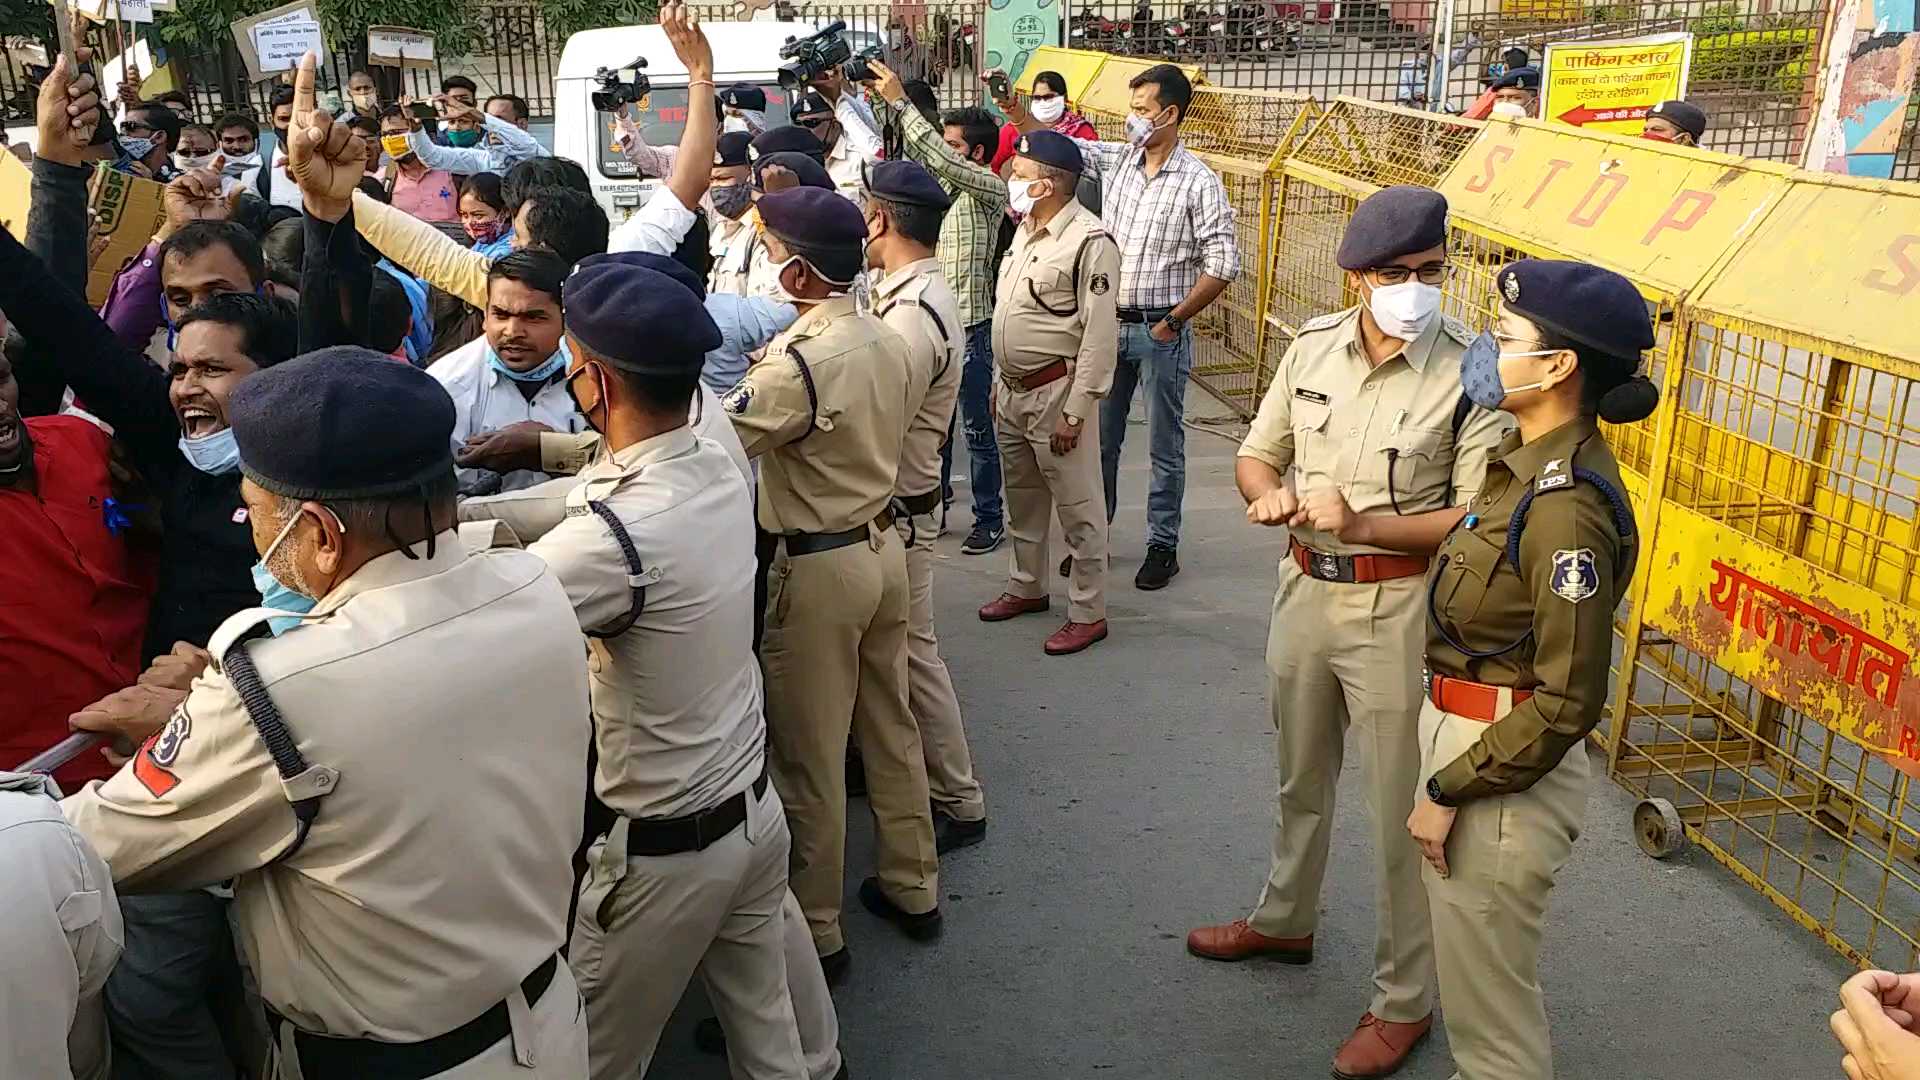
(844, 126)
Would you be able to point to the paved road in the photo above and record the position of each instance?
(1129, 794)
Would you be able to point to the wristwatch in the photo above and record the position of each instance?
(1436, 796)
(1072, 420)
(1174, 322)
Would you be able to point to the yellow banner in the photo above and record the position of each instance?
(1838, 652)
(1787, 274)
(1657, 213)
(1610, 85)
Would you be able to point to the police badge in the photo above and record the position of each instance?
(1099, 284)
(737, 399)
(1573, 577)
(1511, 287)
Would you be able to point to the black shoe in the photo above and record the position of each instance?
(950, 834)
(709, 1037)
(1159, 568)
(921, 927)
(835, 966)
(982, 540)
(1066, 566)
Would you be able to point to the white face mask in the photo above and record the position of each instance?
(240, 163)
(1404, 310)
(1140, 129)
(189, 162)
(1509, 110)
(1020, 196)
(1048, 110)
(734, 123)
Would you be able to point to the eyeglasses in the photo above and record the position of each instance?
(135, 127)
(818, 121)
(1436, 274)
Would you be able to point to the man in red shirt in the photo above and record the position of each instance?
(73, 593)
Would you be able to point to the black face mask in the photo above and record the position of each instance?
(574, 395)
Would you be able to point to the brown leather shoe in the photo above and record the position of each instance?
(1238, 941)
(1378, 1047)
(1075, 636)
(1008, 605)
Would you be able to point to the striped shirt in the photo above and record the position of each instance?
(972, 223)
(1171, 227)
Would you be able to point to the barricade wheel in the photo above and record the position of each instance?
(1657, 828)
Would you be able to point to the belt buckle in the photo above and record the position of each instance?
(1328, 565)
(1426, 681)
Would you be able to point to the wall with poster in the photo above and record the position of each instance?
(1015, 28)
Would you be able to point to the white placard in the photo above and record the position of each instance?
(282, 41)
(133, 11)
(398, 46)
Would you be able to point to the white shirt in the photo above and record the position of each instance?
(485, 400)
(656, 228)
(857, 149)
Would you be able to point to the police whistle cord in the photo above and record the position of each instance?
(66, 750)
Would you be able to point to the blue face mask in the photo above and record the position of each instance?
(136, 149)
(216, 454)
(1480, 371)
(555, 364)
(463, 137)
(280, 598)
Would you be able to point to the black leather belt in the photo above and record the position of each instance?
(324, 1056)
(694, 832)
(815, 543)
(1143, 315)
(921, 504)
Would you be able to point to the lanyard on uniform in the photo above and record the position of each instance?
(1433, 586)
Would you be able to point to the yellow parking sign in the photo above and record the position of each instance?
(1610, 85)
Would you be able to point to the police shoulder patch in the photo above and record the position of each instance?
(153, 763)
(1550, 483)
(1099, 284)
(738, 399)
(1573, 577)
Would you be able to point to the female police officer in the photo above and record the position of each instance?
(1519, 636)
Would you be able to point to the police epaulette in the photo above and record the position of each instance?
(1323, 322)
(1457, 330)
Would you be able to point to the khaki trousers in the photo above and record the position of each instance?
(930, 696)
(646, 924)
(835, 655)
(1502, 856)
(548, 1042)
(1037, 480)
(1341, 655)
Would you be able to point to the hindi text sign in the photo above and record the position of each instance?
(1610, 85)
(399, 46)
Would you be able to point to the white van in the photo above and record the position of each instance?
(742, 52)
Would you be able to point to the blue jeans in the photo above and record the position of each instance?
(1164, 370)
(983, 452)
(162, 999)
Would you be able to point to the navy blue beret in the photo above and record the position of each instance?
(907, 182)
(637, 319)
(809, 172)
(732, 148)
(342, 423)
(812, 103)
(813, 218)
(1392, 222)
(1051, 148)
(660, 264)
(1526, 78)
(1591, 306)
(788, 138)
(744, 96)
(1684, 115)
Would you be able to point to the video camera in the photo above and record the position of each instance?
(621, 86)
(812, 56)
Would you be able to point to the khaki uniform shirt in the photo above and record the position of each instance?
(731, 246)
(676, 698)
(1558, 604)
(1056, 302)
(564, 455)
(442, 708)
(1340, 422)
(828, 458)
(916, 302)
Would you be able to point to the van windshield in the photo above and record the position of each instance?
(661, 117)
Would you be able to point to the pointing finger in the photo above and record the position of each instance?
(303, 98)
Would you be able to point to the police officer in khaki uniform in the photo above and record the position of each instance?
(385, 814)
(1055, 335)
(904, 211)
(825, 413)
(1518, 646)
(1366, 411)
(656, 553)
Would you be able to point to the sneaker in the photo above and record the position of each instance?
(982, 539)
(1158, 569)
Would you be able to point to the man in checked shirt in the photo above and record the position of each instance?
(1169, 213)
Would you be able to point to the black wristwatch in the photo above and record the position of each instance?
(1438, 797)
(1174, 322)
